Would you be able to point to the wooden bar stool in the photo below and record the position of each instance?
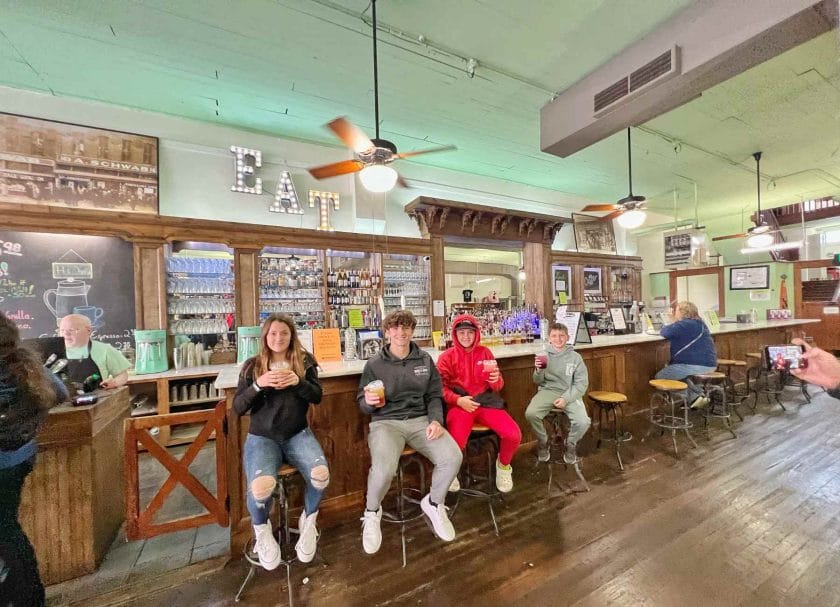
(482, 439)
(284, 475)
(714, 389)
(727, 366)
(407, 495)
(664, 405)
(557, 419)
(763, 380)
(611, 403)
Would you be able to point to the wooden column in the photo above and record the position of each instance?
(537, 262)
(438, 280)
(149, 284)
(246, 271)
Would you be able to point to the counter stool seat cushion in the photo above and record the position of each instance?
(608, 397)
(712, 375)
(728, 362)
(668, 385)
(479, 429)
(407, 451)
(753, 355)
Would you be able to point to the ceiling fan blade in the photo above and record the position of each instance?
(601, 207)
(352, 136)
(729, 236)
(402, 183)
(336, 168)
(443, 148)
(613, 215)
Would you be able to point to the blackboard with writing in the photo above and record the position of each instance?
(44, 277)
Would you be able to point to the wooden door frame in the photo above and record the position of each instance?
(672, 284)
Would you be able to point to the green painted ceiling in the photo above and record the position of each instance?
(288, 66)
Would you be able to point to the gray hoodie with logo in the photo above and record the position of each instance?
(565, 374)
(412, 386)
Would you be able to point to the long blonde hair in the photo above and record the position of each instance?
(295, 355)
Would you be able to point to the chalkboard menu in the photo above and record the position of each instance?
(44, 277)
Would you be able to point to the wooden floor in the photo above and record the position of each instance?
(747, 521)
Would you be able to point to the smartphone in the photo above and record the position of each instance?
(784, 357)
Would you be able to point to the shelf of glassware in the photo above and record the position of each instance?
(353, 283)
(406, 286)
(293, 285)
(199, 295)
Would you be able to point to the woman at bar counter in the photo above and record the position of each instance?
(276, 387)
(692, 350)
(27, 392)
(471, 385)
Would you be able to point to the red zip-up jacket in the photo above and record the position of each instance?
(460, 367)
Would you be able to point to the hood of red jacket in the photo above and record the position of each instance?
(474, 322)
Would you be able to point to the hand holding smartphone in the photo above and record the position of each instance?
(785, 357)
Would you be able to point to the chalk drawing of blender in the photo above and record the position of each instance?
(71, 293)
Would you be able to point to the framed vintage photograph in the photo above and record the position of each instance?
(592, 281)
(43, 162)
(593, 235)
(677, 248)
(748, 278)
(562, 277)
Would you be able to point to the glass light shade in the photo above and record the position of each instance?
(632, 219)
(756, 241)
(378, 178)
(521, 275)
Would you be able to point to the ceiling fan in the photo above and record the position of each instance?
(630, 210)
(760, 235)
(372, 155)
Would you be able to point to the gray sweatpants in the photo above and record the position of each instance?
(387, 439)
(543, 402)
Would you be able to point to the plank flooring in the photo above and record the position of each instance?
(752, 521)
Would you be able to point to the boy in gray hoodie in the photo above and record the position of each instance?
(562, 380)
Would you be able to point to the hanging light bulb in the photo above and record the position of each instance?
(378, 178)
(632, 219)
(522, 274)
(757, 241)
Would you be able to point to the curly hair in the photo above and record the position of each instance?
(399, 318)
(26, 393)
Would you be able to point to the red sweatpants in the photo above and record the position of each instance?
(459, 423)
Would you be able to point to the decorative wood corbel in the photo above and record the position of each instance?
(444, 213)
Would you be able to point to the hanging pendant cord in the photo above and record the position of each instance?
(375, 72)
(629, 163)
(757, 157)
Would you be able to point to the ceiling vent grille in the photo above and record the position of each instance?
(652, 73)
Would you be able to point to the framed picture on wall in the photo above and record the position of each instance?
(748, 278)
(593, 235)
(562, 276)
(592, 281)
(49, 163)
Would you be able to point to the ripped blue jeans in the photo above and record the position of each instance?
(263, 457)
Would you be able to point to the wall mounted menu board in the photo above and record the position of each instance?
(44, 277)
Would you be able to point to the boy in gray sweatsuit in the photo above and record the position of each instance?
(562, 384)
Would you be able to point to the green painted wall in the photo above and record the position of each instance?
(660, 285)
(737, 301)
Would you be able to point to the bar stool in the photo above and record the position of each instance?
(713, 386)
(727, 365)
(481, 439)
(284, 475)
(664, 403)
(403, 515)
(762, 380)
(557, 419)
(611, 403)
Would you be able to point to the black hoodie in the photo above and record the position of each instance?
(412, 386)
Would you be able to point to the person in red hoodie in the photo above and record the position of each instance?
(471, 386)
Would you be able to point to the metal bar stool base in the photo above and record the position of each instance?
(470, 479)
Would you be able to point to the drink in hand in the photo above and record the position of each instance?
(541, 360)
(377, 388)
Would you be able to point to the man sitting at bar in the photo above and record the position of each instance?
(692, 350)
(562, 378)
(411, 412)
(87, 357)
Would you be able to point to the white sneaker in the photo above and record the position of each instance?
(701, 402)
(308, 541)
(371, 533)
(455, 485)
(267, 547)
(504, 477)
(543, 453)
(440, 521)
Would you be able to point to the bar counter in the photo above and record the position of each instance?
(72, 503)
(622, 363)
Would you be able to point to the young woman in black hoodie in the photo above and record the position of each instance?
(276, 387)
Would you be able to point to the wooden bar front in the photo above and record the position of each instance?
(342, 429)
(72, 503)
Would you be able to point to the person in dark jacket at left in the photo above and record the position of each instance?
(27, 392)
(276, 387)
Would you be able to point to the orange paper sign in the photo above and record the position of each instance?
(326, 344)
